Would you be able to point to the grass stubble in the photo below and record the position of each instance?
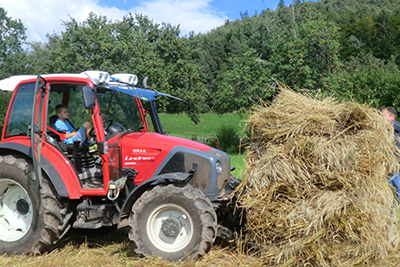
(112, 248)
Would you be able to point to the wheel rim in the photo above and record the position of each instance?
(16, 211)
(165, 240)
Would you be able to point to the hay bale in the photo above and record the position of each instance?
(316, 183)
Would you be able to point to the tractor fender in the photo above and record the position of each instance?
(167, 178)
(48, 168)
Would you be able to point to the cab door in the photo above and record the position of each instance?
(37, 125)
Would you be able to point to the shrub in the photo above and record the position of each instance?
(211, 141)
(228, 139)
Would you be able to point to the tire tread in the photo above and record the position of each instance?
(203, 205)
(52, 211)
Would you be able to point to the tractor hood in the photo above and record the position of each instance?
(152, 154)
(159, 141)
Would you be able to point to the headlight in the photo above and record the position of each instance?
(130, 79)
(218, 167)
(104, 77)
(98, 77)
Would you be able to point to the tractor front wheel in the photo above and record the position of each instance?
(173, 222)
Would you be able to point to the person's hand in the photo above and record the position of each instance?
(68, 135)
(87, 125)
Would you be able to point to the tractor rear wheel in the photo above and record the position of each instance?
(32, 220)
(173, 222)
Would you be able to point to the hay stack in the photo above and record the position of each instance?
(316, 182)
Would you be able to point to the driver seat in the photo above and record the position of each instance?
(78, 153)
(58, 135)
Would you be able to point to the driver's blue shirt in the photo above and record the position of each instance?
(67, 127)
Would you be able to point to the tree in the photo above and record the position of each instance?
(304, 45)
(305, 49)
(244, 85)
(369, 80)
(12, 57)
(133, 45)
(365, 27)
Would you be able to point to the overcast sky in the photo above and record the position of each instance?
(45, 16)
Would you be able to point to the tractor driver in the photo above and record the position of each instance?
(62, 124)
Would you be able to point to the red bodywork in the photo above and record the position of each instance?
(145, 151)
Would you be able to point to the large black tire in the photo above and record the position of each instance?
(31, 220)
(173, 222)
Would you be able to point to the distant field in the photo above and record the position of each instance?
(180, 125)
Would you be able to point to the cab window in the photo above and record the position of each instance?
(20, 114)
(71, 96)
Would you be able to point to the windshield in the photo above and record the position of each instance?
(119, 107)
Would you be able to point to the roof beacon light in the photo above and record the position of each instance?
(98, 77)
(127, 78)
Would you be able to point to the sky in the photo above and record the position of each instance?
(42, 17)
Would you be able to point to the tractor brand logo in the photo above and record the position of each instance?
(138, 150)
(141, 155)
(130, 158)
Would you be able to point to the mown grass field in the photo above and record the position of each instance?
(108, 247)
(181, 125)
(111, 248)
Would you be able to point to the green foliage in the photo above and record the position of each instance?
(228, 139)
(133, 45)
(13, 60)
(366, 27)
(369, 80)
(306, 50)
(295, 45)
(212, 141)
(340, 47)
(222, 131)
(244, 85)
(4, 101)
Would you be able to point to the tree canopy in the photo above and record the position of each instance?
(346, 48)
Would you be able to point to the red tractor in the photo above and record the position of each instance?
(173, 193)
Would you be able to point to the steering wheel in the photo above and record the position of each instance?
(92, 133)
(108, 123)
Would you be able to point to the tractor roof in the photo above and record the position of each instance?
(9, 84)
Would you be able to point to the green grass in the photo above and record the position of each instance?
(180, 125)
(238, 161)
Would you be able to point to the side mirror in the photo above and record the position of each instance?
(88, 97)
